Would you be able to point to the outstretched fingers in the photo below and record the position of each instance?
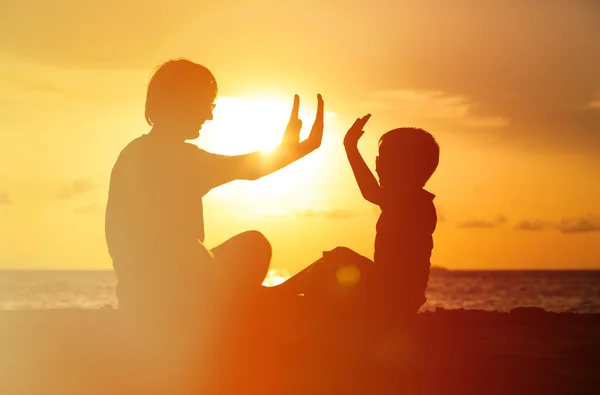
(316, 133)
(356, 131)
(295, 109)
(292, 131)
(363, 121)
(320, 109)
(356, 124)
(359, 124)
(318, 125)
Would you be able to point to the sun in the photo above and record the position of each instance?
(243, 125)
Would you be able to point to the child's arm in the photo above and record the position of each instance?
(369, 187)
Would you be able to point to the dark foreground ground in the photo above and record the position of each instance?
(527, 351)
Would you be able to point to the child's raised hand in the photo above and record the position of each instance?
(355, 132)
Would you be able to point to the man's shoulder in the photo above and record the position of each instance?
(146, 144)
(137, 144)
(195, 150)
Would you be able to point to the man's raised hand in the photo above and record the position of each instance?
(292, 131)
(316, 133)
(289, 150)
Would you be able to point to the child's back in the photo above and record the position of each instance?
(403, 245)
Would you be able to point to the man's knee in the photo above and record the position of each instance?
(259, 244)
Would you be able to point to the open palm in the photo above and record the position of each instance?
(291, 135)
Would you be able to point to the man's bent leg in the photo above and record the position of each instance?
(244, 259)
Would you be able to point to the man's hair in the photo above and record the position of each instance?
(175, 83)
(412, 146)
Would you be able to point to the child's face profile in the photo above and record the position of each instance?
(393, 167)
(384, 170)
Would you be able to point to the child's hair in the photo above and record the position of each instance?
(174, 84)
(413, 147)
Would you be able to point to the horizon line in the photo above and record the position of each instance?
(433, 268)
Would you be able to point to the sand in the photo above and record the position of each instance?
(526, 351)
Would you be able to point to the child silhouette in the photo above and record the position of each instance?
(403, 243)
(395, 281)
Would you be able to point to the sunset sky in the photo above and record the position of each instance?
(510, 89)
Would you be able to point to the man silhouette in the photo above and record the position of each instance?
(154, 216)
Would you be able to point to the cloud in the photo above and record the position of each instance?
(483, 223)
(88, 210)
(271, 212)
(496, 55)
(31, 84)
(77, 188)
(435, 104)
(333, 214)
(589, 223)
(441, 217)
(534, 225)
(594, 104)
(5, 199)
(76, 33)
(486, 64)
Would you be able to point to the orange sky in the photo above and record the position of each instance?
(511, 91)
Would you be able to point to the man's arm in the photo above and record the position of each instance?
(369, 187)
(258, 164)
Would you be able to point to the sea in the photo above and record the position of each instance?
(559, 291)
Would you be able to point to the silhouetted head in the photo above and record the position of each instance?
(407, 158)
(180, 98)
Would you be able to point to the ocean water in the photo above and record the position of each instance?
(560, 291)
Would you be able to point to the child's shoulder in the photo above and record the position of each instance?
(411, 207)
